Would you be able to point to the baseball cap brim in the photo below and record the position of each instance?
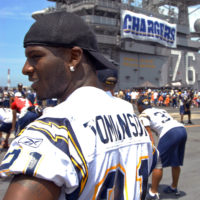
(101, 61)
(108, 76)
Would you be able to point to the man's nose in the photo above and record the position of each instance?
(28, 68)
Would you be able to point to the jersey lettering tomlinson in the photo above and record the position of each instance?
(119, 127)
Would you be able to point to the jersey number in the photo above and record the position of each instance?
(9, 159)
(143, 176)
(113, 186)
(164, 117)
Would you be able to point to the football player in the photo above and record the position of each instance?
(171, 144)
(90, 145)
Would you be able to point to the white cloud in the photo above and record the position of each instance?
(14, 13)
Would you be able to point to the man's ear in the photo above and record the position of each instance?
(76, 56)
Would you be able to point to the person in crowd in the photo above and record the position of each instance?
(1, 96)
(5, 126)
(155, 96)
(51, 102)
(185, 102)
(187, 105)
(174, 100)
(21, 89)
(160, 100)
(6, 97)
(181, 107)
(31, 96)
(86, 141)
(121, 94)
(134, 95)
(171, 144)
(167, 101)
(108, 78)
(198, 102)
(127, 94)
(21, 115)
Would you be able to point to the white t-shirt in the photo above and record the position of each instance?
(155, 95)
(159, 120)
(82, 144)
(134, 95)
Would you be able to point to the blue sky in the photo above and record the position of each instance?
(15, 20)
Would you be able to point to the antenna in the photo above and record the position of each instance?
(8, 81)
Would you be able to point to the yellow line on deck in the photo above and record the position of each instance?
(189, 126)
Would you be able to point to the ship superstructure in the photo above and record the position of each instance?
(142, 63)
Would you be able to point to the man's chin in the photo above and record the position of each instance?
(41, 98)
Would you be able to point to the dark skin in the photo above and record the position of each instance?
(26, 187)
(49, 68)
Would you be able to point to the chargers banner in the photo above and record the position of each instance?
(142, 27)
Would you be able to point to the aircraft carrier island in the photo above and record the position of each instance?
(150, 48)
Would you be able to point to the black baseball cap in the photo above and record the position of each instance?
(108, 76)
(144, 102)
(63, 29)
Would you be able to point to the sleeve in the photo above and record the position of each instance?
(43, 150)
(13, 105)
(144, 118)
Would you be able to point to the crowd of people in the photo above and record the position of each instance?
(18, 107)
(158, 97)
(183, 99)
(6, 94)
(161, 97)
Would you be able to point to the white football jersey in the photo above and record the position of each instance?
(92, 145)
(159, 120)
(6, 115)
